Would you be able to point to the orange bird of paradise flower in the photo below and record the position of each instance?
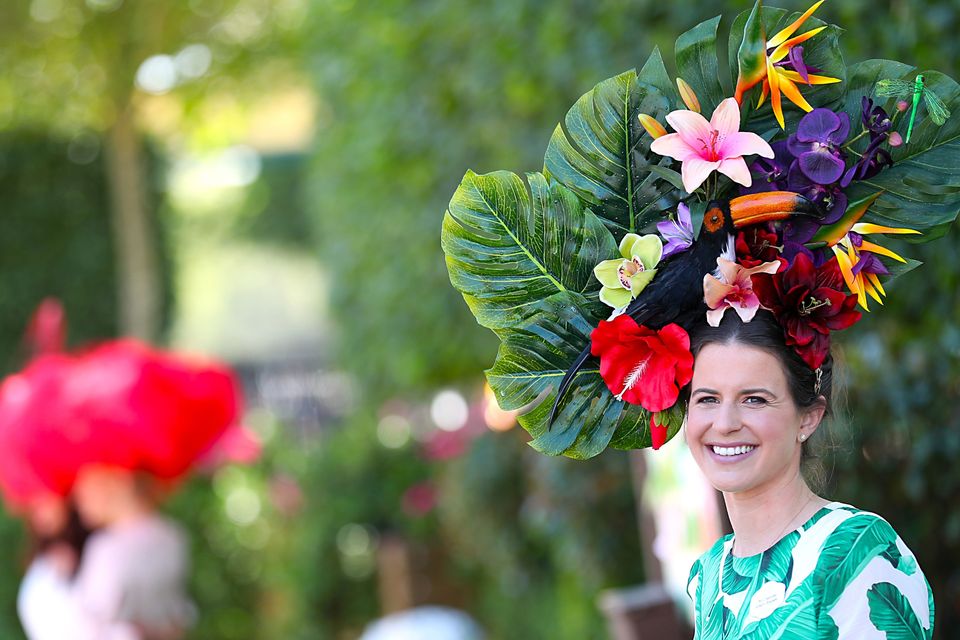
(854, 252)
(758, 57)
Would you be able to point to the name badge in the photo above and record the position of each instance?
(765, 601)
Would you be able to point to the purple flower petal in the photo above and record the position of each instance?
(770, 174)
(677, 233)
(792, 249)
(836, 206)
(870, 263)
(817, 126)
(799, 231)
(796, 59)
(839, 136)
(821, 166)
(828, 197)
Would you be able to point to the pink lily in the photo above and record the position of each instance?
(733, 290)
(704, 147)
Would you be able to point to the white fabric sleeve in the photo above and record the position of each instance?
(50, 609)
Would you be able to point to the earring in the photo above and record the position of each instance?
(802, 437)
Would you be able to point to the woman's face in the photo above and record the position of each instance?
(742, 424)
(99, 490)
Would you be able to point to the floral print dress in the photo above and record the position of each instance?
(845, 574)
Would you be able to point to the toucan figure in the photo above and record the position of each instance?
(676, 293)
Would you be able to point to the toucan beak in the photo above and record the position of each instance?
(770, 206)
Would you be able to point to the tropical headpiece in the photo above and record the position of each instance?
(593, 271)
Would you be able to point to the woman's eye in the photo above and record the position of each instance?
(755, 400)
(706, 400)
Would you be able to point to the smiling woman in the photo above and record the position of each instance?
(796, 565)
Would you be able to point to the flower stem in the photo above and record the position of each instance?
(857, 137)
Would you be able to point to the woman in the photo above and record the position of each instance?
(130, 582)
(109, 426)
(797, 565)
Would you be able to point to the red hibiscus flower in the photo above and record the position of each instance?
(756, 245)
(810, 303)
(640, 365)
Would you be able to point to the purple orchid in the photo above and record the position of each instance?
(876, 121)
(874, 159)
(829, 197)
(770, 174)
(678, 233)
(874, 118)
(817, 142)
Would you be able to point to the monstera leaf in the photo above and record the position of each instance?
(508, 250)
(922, 188)
(696, 55)
(602, 154)
(528, 368)
(523, 261)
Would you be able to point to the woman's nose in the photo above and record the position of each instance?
(727, 418)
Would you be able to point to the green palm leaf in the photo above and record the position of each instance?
(922, 189)
(523, 262)
(732, 582)
(601, 152)
(891, 612)
(531, 362)
(508, 249)
(696, 55)
(854, 543)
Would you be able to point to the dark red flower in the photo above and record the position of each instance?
(756, 245)
(640, 365)
(809, 303)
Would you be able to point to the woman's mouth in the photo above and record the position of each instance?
(736, 452)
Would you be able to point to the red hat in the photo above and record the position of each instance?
(37, 452)
(121, 403)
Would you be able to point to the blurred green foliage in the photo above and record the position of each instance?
(57, 239)
(505, 534)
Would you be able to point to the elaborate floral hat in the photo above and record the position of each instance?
(593, 271)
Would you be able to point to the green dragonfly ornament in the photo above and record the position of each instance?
(901, 89)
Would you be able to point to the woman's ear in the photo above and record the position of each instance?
(812, 416)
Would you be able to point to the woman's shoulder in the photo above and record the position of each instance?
(864, 571)
(843, 528)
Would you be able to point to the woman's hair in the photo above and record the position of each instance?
(74, 535)
(766, 334)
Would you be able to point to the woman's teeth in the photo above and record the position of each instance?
(732, 451)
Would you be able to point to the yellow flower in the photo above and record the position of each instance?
(859, 265)
(758, 62)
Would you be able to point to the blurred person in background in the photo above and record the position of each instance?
(56, 539)
(113, 427)
(130, 581)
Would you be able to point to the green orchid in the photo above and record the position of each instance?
(623, 279)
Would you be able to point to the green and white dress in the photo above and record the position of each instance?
(844, 574)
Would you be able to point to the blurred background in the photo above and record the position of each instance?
(264, 181)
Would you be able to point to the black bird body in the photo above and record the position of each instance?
(676, 293)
